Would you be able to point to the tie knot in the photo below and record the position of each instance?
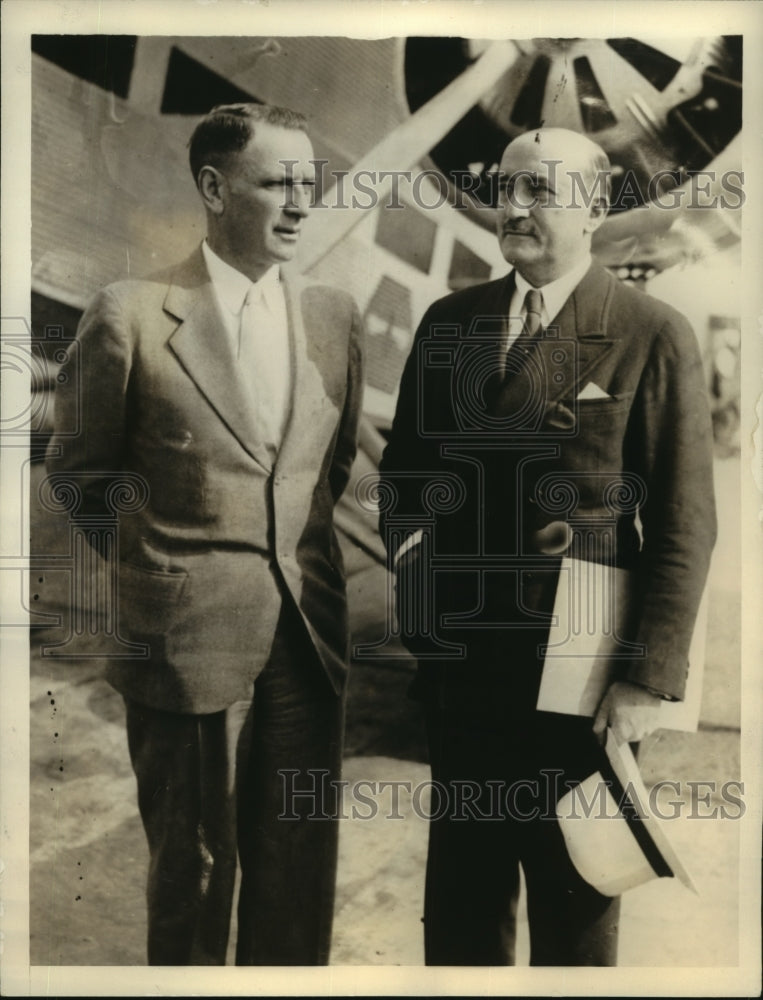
(251, 296)
(533, 318)
(534, 302)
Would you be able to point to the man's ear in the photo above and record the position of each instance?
(211, 185)
(597, 214)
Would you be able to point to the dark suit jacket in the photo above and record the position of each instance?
(483, 466)
(203, 564)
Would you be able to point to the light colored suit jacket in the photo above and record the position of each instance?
(204, 563)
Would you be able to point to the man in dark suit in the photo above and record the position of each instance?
(550, 413)
(231, 389)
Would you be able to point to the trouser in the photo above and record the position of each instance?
(495, 785)
(214, 786)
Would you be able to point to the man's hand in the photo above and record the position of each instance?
(630, 711)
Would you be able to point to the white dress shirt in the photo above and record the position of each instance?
(554, 295)
(255, 318)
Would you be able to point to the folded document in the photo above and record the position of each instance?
(589, 638)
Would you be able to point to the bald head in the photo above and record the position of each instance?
(554, 195)
(576, 151)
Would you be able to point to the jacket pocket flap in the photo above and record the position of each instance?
(148, 597)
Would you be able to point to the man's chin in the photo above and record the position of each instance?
(283, 254)
(515, 256)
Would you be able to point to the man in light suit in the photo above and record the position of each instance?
(232, 389)
(550, 412)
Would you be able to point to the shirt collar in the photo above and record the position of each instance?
(556, 292)
(231, 285)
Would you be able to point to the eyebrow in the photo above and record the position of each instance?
(285, 178)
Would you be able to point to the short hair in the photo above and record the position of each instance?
(229, 128)
(600, 167)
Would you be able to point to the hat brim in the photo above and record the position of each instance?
(626, 770)
(622, 845)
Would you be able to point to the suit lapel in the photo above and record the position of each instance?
(556, 364)
(319, 364)
(482, 339)
(202, 346)
(575, 342)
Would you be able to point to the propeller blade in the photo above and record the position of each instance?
(404, 147)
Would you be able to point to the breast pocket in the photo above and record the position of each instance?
(596, 443)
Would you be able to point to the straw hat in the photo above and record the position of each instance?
(613, 839)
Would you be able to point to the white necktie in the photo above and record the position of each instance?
(264, 361)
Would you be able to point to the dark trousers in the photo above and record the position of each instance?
(211, 787)
(500, 778)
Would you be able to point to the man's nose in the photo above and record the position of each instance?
(299, 201)
(514, 206)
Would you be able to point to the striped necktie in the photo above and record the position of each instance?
(533, 309)
(521, 346)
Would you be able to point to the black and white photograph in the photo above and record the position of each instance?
(382, 497)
